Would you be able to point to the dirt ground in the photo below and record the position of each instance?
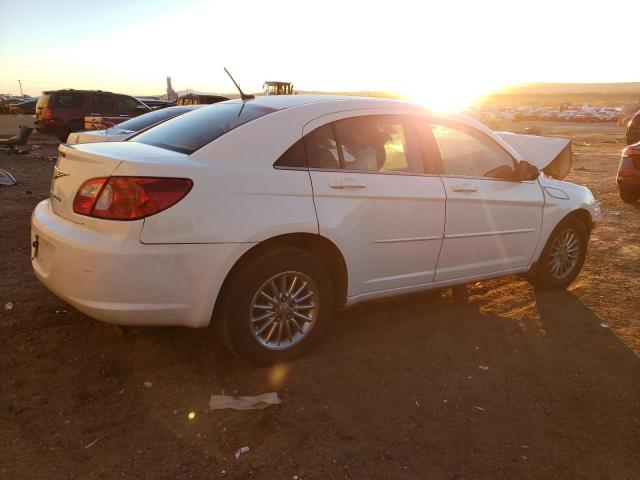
(398, 390)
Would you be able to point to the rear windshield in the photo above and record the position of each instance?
(143, 121)
(188, 133)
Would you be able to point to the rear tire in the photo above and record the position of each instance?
(275, 306)
(562, 257)
(629, 195)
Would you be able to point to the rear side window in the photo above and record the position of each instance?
(188, 133)
(318, 148)
(294, 157)
(101, 103)
(381, 143)
(69, 100)
(322, 148)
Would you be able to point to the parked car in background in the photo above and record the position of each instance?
(7, 100)
(127, 128)
(633, 129)
(548, 115)
(265, 215)
(155, 103)
(628, 178)
(585, 116)
(198, 99)
(27, 107)
(567, 115)
(61, 112)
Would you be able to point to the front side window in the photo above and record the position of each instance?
(188, 133)
(465, 154)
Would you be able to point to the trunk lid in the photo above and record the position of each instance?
(550, 154)
(78, 163)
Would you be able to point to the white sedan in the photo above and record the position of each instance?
(125, 129)
(264, 216)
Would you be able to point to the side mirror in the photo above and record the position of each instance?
(528, 171)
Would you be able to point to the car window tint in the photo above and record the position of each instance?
(470, 155)
(69, 100)
(321, 148)
(188, 133)
(127, 105)
(294, 156)
(143, 121)
(101, 103)
(382, 143)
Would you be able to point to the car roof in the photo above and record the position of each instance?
(73, 90)
(279, 102)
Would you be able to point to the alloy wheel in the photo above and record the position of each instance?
(284, 310)
(564, 253)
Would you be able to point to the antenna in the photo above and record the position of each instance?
(243, 95)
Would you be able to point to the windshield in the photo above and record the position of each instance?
(143, 121)
(188, 133)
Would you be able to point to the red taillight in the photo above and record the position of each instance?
(129, 198)
(47, 114)
(87, 195)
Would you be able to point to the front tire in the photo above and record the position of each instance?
(276, 305)
(562, 257)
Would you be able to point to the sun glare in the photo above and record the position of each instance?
(449, 96)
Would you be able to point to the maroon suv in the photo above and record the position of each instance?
(61, 112)
(629, 174)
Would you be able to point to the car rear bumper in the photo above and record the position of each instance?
(49, 128)
(628, 172)
(119, 280)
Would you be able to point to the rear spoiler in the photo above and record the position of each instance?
(550, 154)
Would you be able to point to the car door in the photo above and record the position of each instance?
(374, 199)
(493, 219)
(102, 105)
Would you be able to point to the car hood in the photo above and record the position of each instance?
(550, 154)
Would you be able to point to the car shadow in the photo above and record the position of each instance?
(490, 380)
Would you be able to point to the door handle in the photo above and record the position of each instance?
(464, 188)
(347, 183)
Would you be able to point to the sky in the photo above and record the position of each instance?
(443, 53)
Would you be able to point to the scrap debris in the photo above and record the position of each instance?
(240, 451)
(6, 179)
(219, 402)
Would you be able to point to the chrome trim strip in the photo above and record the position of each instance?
(486, 234)
(408, 239)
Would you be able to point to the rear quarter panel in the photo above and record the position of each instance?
(238, 196)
